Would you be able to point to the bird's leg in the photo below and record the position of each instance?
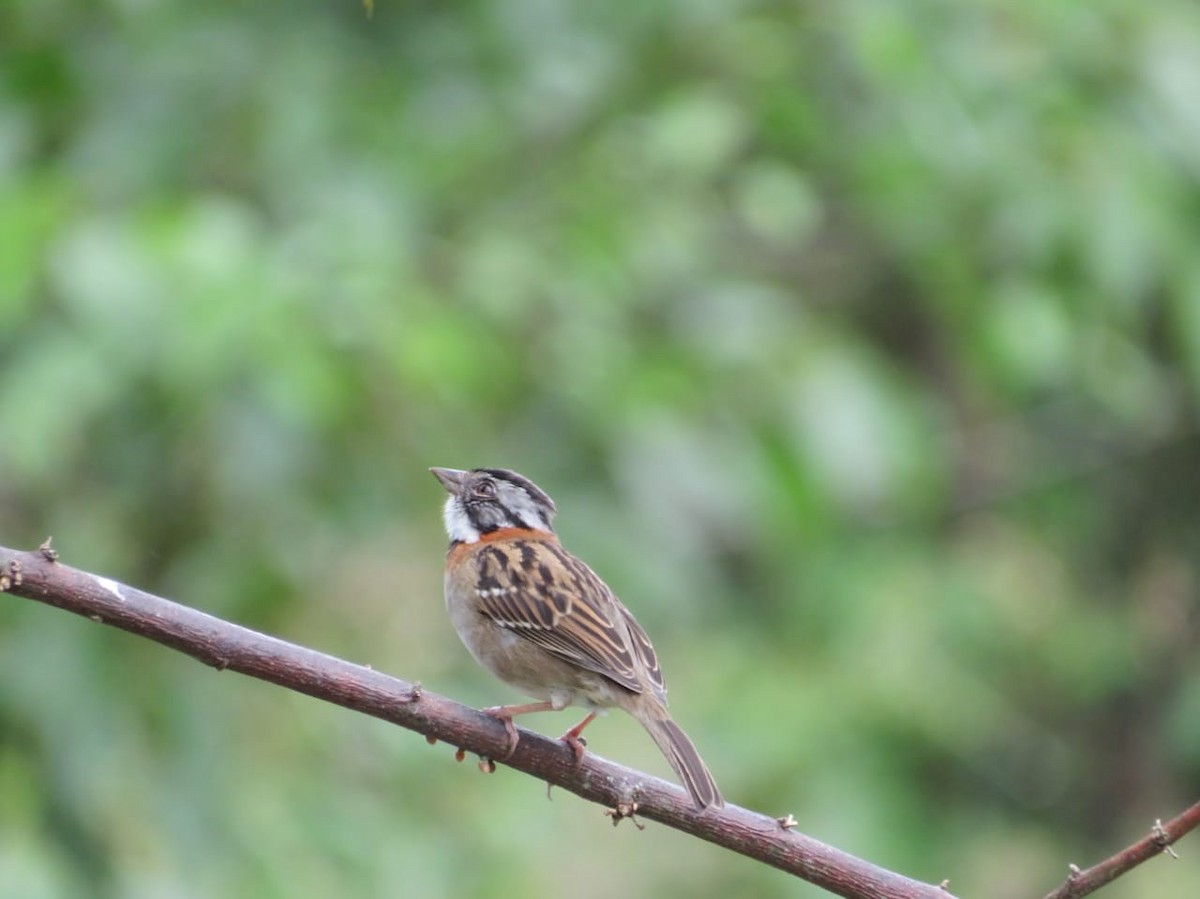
(505, 714)
(576, 742)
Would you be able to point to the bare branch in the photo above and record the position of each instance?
(1157, 842)
(622, 790)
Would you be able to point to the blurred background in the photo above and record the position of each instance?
(859, 344)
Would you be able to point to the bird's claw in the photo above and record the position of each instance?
(574, 738)
(578, 746)
(501, 715)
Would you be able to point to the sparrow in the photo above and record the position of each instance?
(542, 621)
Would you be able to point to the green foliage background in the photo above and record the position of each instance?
(858, 342)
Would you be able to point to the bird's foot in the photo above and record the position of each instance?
(503, 714)
(578, 746)
(577, 743)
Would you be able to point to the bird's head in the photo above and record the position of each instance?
(483, 500)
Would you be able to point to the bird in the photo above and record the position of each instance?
(539, 619)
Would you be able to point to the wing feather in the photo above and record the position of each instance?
(538, 590)
(645, 651)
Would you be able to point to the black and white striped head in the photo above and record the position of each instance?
(483, 500)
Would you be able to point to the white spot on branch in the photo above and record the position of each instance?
(111, 586)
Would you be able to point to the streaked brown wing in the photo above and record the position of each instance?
(645, 650)
(540, 591)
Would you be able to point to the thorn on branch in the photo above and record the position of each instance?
(417, 691)
(787, 822)
(49, 553)
(1163, 839)
(431, 739)
(945, 885)
(622, 811)
(460, 754)
(486, 765)
(1075, 870)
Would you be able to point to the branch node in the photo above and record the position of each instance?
(417, 691)
(11, 576)
(622, 811)
(49, 553)
(1163, 839)
(431, 739)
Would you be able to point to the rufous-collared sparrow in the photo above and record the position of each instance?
(541, 620)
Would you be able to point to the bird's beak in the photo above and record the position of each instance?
(451, 478)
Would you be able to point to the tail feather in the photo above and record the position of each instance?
(682, 754)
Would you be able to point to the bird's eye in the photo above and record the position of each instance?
(485, 490)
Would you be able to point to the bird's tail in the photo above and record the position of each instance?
(682, 754)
